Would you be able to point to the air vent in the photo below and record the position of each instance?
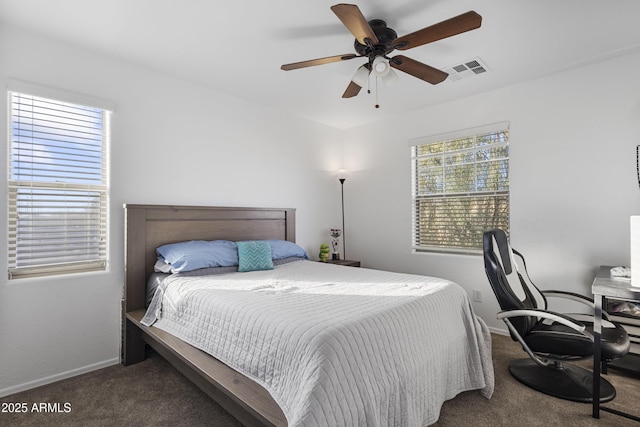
(466, 69)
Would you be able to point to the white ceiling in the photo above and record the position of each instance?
(238, 46)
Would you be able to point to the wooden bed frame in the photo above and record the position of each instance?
(150, 226)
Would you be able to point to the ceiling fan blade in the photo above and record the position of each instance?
(352, 90)
(355, 22)
(450, 27)
(418, 69)
(319, 61)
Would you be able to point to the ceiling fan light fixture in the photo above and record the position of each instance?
(361, 77)
(380, 66)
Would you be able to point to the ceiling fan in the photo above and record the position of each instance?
(375, 41)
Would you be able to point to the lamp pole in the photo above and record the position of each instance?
(344, 239)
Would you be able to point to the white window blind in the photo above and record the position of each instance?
(57, 187)
(460, 188)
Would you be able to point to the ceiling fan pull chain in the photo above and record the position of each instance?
(377, 103)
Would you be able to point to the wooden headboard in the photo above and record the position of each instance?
(150, 226)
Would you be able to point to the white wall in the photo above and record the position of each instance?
(172, 143)
(573, 185)
(573, 179)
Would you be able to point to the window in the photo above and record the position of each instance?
(57, 186)
(460, 187)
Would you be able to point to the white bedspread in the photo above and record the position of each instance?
(336, 346)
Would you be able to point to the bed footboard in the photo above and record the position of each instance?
(242, 397)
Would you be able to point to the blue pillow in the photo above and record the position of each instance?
(196, 254)
(254, 255)
(284, 249)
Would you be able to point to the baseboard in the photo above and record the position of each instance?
(57, 377)
(498, 331)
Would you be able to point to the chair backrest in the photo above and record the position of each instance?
(509, 280)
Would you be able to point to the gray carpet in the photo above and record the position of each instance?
(152, 393)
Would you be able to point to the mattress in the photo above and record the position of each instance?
(334, 345)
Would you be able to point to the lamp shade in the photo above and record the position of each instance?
(361, 77)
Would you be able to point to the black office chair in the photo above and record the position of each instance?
(550, 338)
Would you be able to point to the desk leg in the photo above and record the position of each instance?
(597, 353)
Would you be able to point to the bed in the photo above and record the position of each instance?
(343, 368)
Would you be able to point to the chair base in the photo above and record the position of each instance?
(569, 382)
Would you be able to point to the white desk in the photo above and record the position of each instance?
(606, 287)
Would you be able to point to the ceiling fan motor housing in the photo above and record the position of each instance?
(385, 36)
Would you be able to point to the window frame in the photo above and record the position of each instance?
(97, 262)
(448, 198)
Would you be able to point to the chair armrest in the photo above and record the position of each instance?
(556, 317)
(534, 312)
(575, 297)
(569, 295)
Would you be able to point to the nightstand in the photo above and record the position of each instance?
(346, 262)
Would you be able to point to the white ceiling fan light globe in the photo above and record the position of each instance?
(390, 78)
(381, 66)
(361, 77)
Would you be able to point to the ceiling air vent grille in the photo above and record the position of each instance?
(466, 69)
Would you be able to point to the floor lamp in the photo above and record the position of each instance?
(344, 239)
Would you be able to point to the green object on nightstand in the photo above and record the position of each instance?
(324, 252)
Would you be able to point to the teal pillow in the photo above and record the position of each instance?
(254, 256)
